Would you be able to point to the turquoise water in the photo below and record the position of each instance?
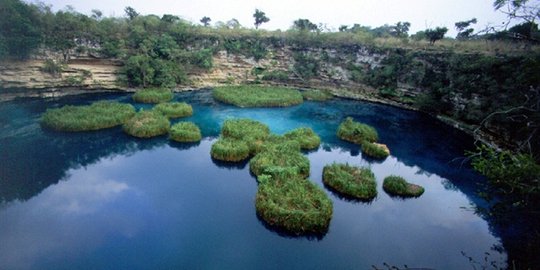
(104, 200)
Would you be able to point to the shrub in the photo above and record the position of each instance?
(316, 95)
(397, 186)
(146, 124)
(275, 75)
(279, 158)
(375, 150)
(258, 96)
(185, 132)
(228, 149)
(350, 181)
(174, 109)
(52, 67)
(293, 204)
(98, 115)
(355, 132)
(153, 95)
(306, 137)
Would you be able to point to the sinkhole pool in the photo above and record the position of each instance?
(105, 200)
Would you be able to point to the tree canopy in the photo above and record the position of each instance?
(260, 18)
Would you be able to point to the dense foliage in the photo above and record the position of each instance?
(185, 132)
(356, 132)
(258, 96)
(146, 124)
(306, 137)
(98, 115)
(398, 186)
(174, 109)
(375, 150)
(228, 149)
(350, 181)
(153, 95)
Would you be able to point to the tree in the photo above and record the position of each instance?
(233, 24)
(463, 31)
(401, 29)
(304, 25)
(260, 18)
(205, 21)
(435, 34)
(19, 29)
(97, 14)
(131, 13)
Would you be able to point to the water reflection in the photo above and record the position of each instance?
(106, 200)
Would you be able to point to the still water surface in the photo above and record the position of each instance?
(104, 200)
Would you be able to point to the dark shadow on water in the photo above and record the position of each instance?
(231, 165)
(348, 198)
(279, 231)
(183, 145)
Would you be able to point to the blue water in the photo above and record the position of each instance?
(104, 200)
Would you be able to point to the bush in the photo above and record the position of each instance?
(375, 150)
(98, 115)
(228, 149)
(316, 95)
(52, 67)
(279, 158)
(306, 137)
(174, 109)
(276, 76)
(355, 132)
(350, 181)
(397, 186)
(185, 132)
(146, 124)
(258, 96)
(293, 204)
(153, 95)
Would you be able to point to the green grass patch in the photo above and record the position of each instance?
(174, 109)
(280, 158)
(252, 132)
(98, 115)
(397, 186)
(305, 136)
(375, 150)
(146, 124)
(185, 132)
(153, 95)
(294, 204)
(258, 96)
(350, 181)
(317, 95)
(356, 132)
(228, 149)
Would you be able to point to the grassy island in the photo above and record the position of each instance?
(355, 132)
(146, 124)
(350, 181)
(375, 150)
(293, 204)
(153, 95)
(397, 186)
(227, 149)
(98, 115)
(252, 132)
(258, 96)
(279, 158)
(174, 109)
(185, 132)
(316, 95)
(306, 137)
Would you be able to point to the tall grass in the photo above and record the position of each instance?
(185, 132)
(153, 95)
(316, 95)
(174, 109)
(350, 181)
(252, 132)
(375, 150)
(228, 149)
(258, 96)
(146, 124)
(356, 132)
(279, 159)
(305, 136)
(293, 203)
(98, 115)
(398, 186)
